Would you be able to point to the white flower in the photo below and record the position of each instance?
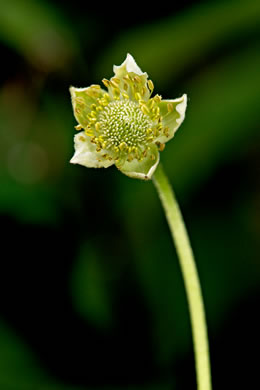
(124, 125)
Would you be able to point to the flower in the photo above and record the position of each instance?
(124, 125)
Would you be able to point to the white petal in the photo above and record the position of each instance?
(142, 169)
(181, 108)
(130, 65)
(82, 99)
(86, 154)
(172, 119)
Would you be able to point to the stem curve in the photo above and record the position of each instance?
(190, 276)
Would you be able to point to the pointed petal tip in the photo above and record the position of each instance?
(181, 108)
(86, 154)
(73, 160)
(72, 91)
(130, 66)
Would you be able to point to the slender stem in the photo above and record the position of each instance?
(190, 275)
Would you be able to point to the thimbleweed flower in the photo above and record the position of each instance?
(124, 125)
(127, 127)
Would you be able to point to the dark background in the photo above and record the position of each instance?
(91, 295)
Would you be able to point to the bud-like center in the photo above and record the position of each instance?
(123, 122)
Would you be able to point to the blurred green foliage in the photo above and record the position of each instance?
(19, 368)
(39, 32)
(122, 277)
(89, 288)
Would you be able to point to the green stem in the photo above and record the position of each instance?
(190, 275)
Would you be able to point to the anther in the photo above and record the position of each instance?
(157, 98)
(137, 79)
(89, 132)
(143, 91)
(78, 127)
(170, 107)
(151, 103)
(106, 96)
(106, 82)
(113, 83)
(138, 96)
(150, 85)
(122, 146)
(116, 80)
(145, 109)
(126, 78)
(116, 92)
(97, 126)
(162, 147)
(156, 110)
(166, 131)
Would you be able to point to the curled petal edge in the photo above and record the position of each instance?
(86, 154)
(144, 174)
(130, 65)
(173, 119)
(181, 109)
(81, 99)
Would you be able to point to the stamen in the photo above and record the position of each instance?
(157, 98)
(113, 83)
(161, 147)
(150, 85)
(170, 107)
(138, 96)
(97, 126)
(137, 79)
(106, 83)
(145, 109)
(116, 80)
(89, 132)
(78, 127)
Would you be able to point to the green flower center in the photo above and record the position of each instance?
(123, 123)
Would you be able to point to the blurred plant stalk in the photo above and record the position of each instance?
(190, 276)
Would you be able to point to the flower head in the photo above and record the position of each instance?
(124, 125)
